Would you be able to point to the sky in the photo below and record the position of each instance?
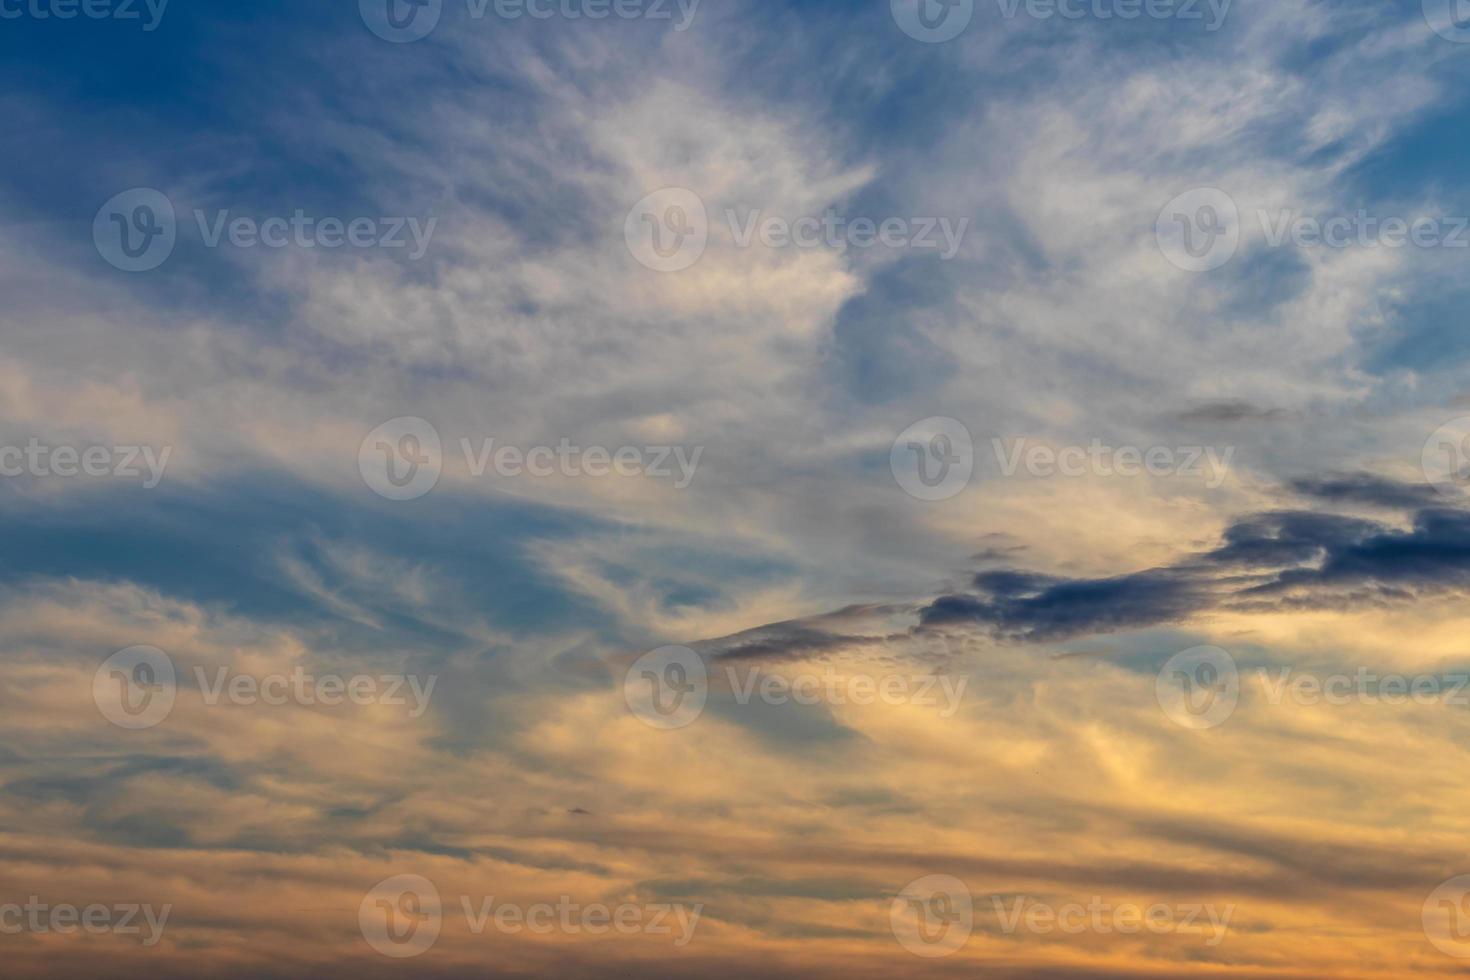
(823, 488)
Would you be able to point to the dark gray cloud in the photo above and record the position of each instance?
(1231, 410)
(1367, 488)
(1282, 560)
(785, 641)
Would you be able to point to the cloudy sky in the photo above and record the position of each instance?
(599, 488)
